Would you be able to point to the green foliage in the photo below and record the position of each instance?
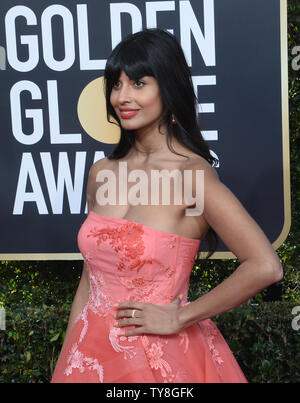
(263, 341)
(32, 342)
(22, 282)
(260, 335)
(37, 297)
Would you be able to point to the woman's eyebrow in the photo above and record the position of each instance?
(137, 79)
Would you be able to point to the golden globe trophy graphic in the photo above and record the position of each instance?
(91, 111)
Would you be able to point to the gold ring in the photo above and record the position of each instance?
(132, 313)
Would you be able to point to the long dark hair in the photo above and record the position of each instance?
(157, 53)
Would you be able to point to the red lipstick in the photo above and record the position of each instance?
(127, 113)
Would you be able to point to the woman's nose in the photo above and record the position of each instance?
(124, 94)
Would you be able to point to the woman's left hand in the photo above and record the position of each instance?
(149, 318)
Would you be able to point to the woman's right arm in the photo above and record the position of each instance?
(82, 293)
(80, 300)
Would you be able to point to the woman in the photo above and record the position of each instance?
(130, 320)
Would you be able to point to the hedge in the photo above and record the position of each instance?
(261, 337)
(38, 304)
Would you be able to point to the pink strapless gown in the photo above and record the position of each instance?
(130, 261)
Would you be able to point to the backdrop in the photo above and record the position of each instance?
(53, 117)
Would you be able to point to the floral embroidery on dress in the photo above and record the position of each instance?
(127, 350)
(127, 240)
(184, 339)
(211, 334)
(83, 317)
(143, 290)
(98, 302)
(171, 242)
(154, 354)
(188, 259)
(170, 270)
(88, 257)
(77, 360)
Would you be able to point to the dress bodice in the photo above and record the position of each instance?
(131, 261)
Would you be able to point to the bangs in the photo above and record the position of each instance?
(133, 59)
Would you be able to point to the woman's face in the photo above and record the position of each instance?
(138, 103)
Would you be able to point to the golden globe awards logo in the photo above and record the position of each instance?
(39, 46)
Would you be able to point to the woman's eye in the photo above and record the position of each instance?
(139, 83)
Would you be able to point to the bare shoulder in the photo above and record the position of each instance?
(201, 164)
(103, 163)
